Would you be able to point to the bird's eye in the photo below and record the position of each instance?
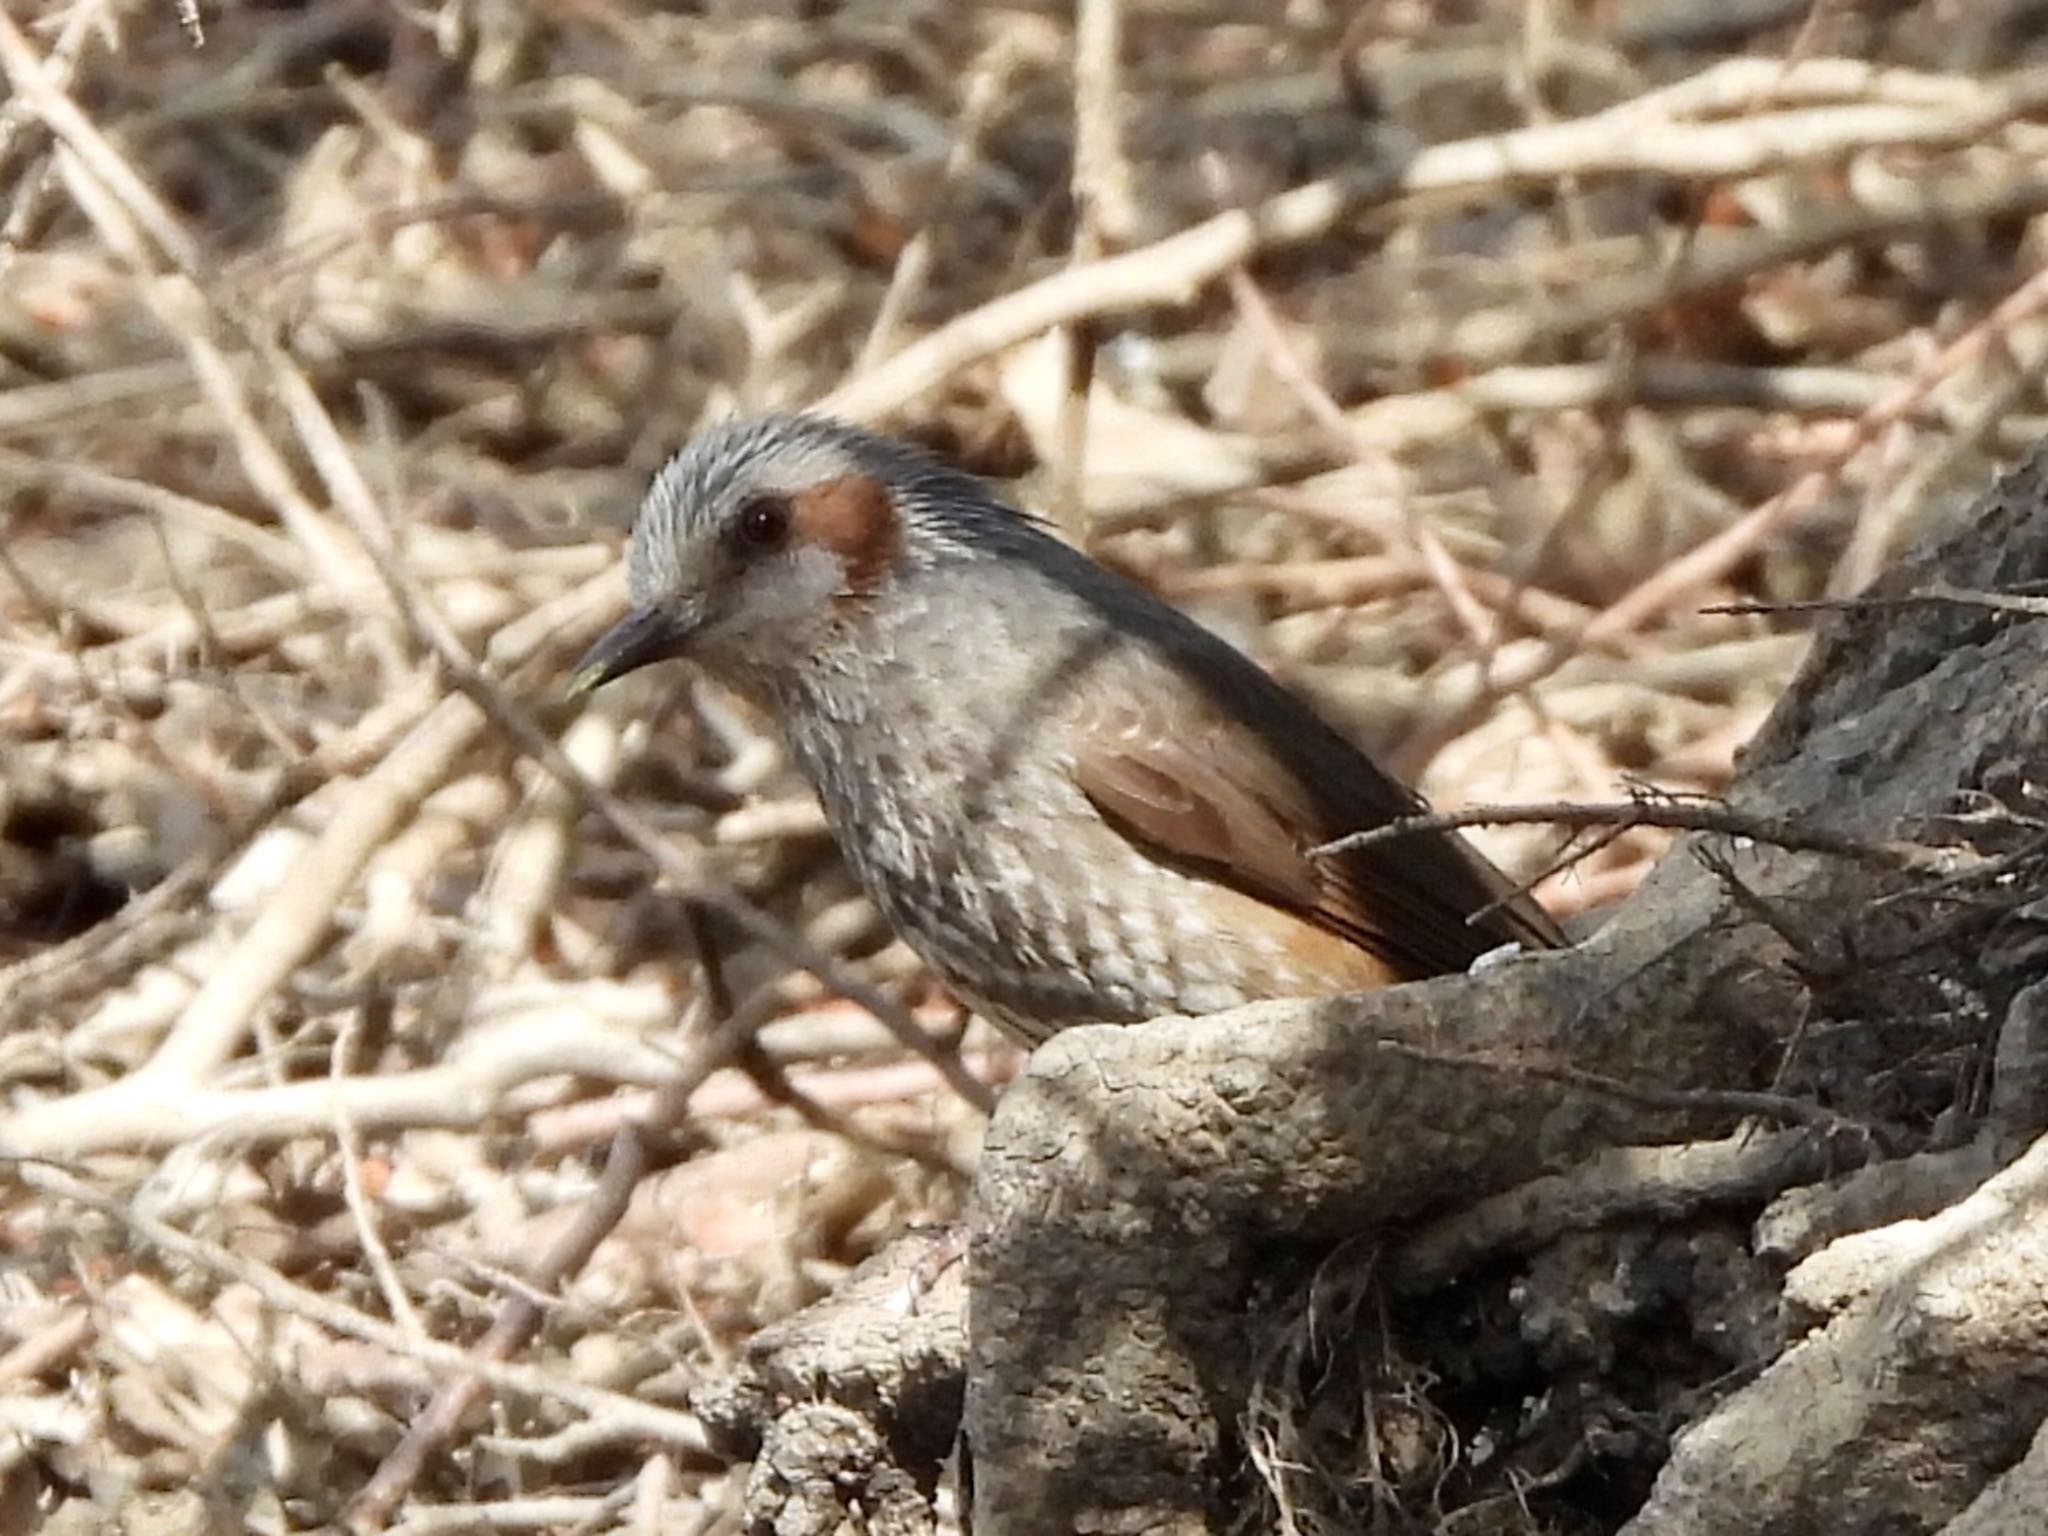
(762, 524)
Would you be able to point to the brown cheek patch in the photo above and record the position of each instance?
(855, 517)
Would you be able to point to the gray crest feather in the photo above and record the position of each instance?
(949, 514)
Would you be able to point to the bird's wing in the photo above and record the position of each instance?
(1203, 790)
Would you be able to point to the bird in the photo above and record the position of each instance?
(1077, 804)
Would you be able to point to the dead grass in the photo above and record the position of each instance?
(1450, 356)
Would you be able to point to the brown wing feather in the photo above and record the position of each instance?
(1200, 787)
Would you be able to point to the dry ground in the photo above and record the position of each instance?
(1454, 357)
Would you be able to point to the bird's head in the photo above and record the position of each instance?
(764, 544)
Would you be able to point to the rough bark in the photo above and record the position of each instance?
(852, 1405)
(1153, 1199)
(1894, 1415)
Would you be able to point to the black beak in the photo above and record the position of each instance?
(643, 636)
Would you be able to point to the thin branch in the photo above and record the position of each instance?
(521, 1313)
(1775, 831)
(1936, 594)
(681, 1430)
(1176, 269)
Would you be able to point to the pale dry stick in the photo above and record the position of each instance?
(572, 1444)
(1454, 584)
(61, 63)
(441, 554)
(159, 644)
(536, 1512)
(1676, 267)
(287, 747)
(164, 504)
(183, 309)
(30, 198)
(349, 1144)
(652, 1514)
(521, 1314)
(781, 1088)
(293, 924)
(291, 928)
(46, 407)
(175, 301)
(1741, 85)
(200, 783)
(1719, 89)
(1481, 628)
(1801, 443)
(1713, 559)
(406, 151)
(39, 89)
(465, 1091)
(1102, 171)
(526, 864)
(1742, 147)
(1070, 431)
(893, 115)
(1174, 270)
(1348, 580)
(267, 624)
(798, 818)
(1541, 610)
(49, 1349)
(1619, 348)
(2009, 434)
(1870, 545)
(1818, 13)
(458, 1094)
(987, 79)
(773, 333)
(1677, 381)
(89, 961)
(123, 210)
(682, 1431)
(1397, 422)
(1105, 220)
(1493, 336)
(1709, 759)
(1339, 581)
(1170, 271)
(1895, 486)
(1538, 41)
(396, 898)
(33, 189)
(734, 1095)
(1102, 222)
(839, 1031)
(379, 222)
